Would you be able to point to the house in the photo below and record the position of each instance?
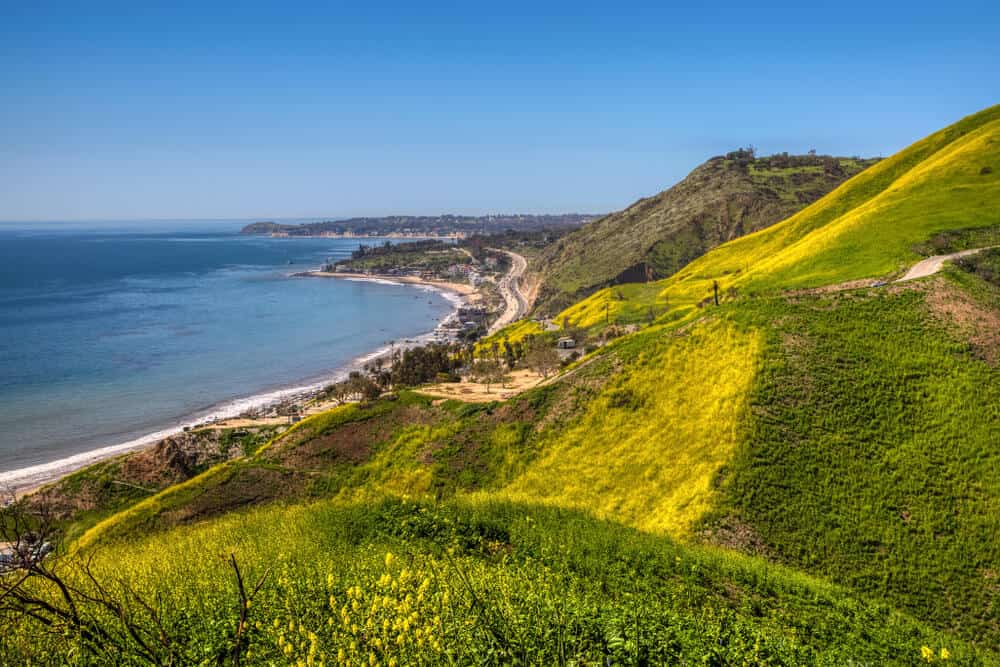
(566, 343)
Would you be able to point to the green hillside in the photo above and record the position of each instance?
(725, 198)
(802, 474)
(871, 226)
(400, 582)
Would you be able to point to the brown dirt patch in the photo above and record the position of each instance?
(352, 443)
(473, 392)
(971, 320)
(170, 461)
(245, 487)
(839, 287)
(733, 533)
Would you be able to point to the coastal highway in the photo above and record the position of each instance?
(510, 288)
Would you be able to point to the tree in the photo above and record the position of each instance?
(542, 358)
(362, 386)
(341, 391)
(488, 372)
(510, 358)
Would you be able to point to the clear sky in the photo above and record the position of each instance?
(268, 110)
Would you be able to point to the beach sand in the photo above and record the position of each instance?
(470, 293)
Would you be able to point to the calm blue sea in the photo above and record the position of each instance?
(106, 337)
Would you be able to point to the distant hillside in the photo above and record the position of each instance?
(416, 225)
(723, 199)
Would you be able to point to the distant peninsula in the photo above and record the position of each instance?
(434, 226)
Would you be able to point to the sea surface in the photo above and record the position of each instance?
(114, 338)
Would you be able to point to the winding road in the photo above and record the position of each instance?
(510, 289)
(931, 265)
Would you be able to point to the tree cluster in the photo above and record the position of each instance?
(388, 247)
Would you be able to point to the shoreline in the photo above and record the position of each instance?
(256, 407)
(465, 290)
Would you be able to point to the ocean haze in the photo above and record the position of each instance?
(106, 337)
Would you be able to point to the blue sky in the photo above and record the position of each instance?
(268, 110)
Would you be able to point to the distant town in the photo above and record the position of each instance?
(408, 226)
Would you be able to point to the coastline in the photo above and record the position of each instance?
(242, 410)
(463, 289)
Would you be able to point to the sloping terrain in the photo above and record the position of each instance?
(723, 199)
(403, 582)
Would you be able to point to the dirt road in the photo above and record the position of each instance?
(932, 265)
(510, 289)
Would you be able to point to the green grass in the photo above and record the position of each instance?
(871, 456)
(646, 450)
(512, 333)
(483, 583)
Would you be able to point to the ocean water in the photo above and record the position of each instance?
(113, 338)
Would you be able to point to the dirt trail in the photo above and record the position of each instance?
(517, 305)
(931, 265)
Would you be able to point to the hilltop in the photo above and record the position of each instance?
(801, 472)
(724, 198)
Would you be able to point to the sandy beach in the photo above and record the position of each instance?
(470, 293)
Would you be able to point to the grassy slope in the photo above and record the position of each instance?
(646, 450)
(408, 446)
(867, 227)
(871, 456)
(86, 497)
(515, 333)
(720, 200)
(489, 583)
